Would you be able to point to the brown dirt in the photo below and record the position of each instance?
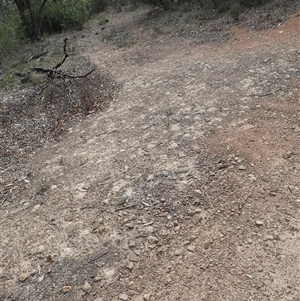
(185, 188)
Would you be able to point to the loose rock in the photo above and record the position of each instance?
(24, 276)
(152, 240)
(132, 257)
(66, 288)
(123, 296)
(86, 287)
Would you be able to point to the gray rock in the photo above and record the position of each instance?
(242, 167)
(123, 296)
(150, 178)
(86, 287)
(162, 174)
(133, 257)
(181, 169)
(152, 240)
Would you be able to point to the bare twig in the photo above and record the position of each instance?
(99, 256)
(55, 73)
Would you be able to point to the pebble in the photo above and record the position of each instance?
(269, 237)
(177, 252)
(131, 244)
(66, 288)
(177, 228)
(191, 248)
(181, 169)
(150, 178)
(86, 287)
(152, 240)
(41, 249)
(130, 266)
(98, 299)
(162, 174)
(242, 167)
(259, 223)
(24, 276)
(260, 269)
(146, 297)
(132, 257)
(206, 245)
(123, 296)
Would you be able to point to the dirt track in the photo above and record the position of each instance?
(185, 188)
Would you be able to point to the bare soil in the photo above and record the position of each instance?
(186, 187)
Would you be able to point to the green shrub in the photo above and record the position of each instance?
(11, 33)
(65, 14)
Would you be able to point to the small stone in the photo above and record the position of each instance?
(197, 191)
(98, 299)
(242, 167)
(260, 269)
(147, 297)
(98, 278)
(132, 257)
(40, 249)
(269, 237)
(70, 228)
(181, 169)
(152, 240)
(168, 279)
(192, 238)
(177, 228)
(131, 244)
(130, 266)
(259, 223)
(177, 252)
(66, 288)
(191, 248)
(206, 245)
(100, 229)
(149, 229)
(123, 296)
(24, 276)
(150, 178)
(86, 287)
(52, 258)
(181, 154)
(162, 174)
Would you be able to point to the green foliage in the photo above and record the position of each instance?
(65, 14)
(11, 33)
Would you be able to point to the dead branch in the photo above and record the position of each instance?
(55, 73)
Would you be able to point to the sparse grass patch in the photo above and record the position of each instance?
(102, 20)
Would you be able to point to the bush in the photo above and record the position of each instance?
(11, 32)
(65, 14)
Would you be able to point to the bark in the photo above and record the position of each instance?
(33, 24)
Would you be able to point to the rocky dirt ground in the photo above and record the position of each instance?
(185, 188)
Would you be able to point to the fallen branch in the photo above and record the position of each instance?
(55, 73)
(97, 257)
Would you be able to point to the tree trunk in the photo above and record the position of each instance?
(33, 23)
